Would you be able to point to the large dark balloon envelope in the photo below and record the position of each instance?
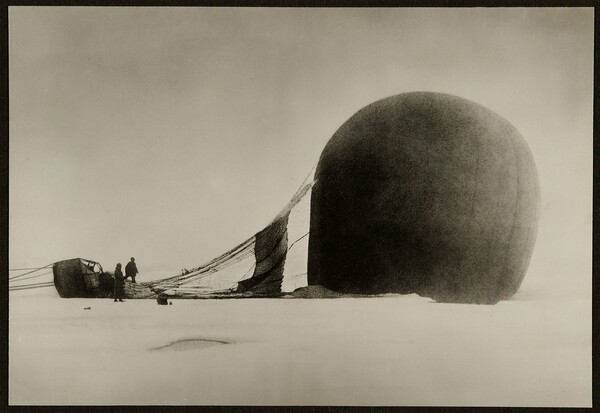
(424, 193)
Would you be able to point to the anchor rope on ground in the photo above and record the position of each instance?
(14, 277)
(31, 277)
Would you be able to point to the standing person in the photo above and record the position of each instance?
(131, 269)
(119, 284)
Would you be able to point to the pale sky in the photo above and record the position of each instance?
(172, 134)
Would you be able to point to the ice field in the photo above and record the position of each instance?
(391, 350)
(184, 137)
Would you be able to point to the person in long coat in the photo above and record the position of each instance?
(131, 269)
(119, 284)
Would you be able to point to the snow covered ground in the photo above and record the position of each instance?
(394, 350)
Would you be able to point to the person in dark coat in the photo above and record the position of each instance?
(131, 270)
(119, 284)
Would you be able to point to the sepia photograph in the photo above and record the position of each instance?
(286, 206)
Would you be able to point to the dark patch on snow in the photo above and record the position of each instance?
(190, 344)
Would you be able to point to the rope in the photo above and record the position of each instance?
(196, 278)
(30, 286)
(37, 269)
(33, 276)
(293, 243)
(240, 249)
(307, 175)
(244, 276)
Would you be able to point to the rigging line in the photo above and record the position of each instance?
(246, 273)
(303, 184)
(209, 273)
(178, 283)
(29, 288)
(25, 289)
(32, 284)
(199, 275)
(211, 269)
(226, 262)
(28, 285)
(22, 269)
(307, 175)
(294, 243)
(239, 249)
(234, 285)
(242, 248)
(37, 269)
(33, 276)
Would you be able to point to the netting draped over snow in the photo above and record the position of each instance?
(271, 262)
